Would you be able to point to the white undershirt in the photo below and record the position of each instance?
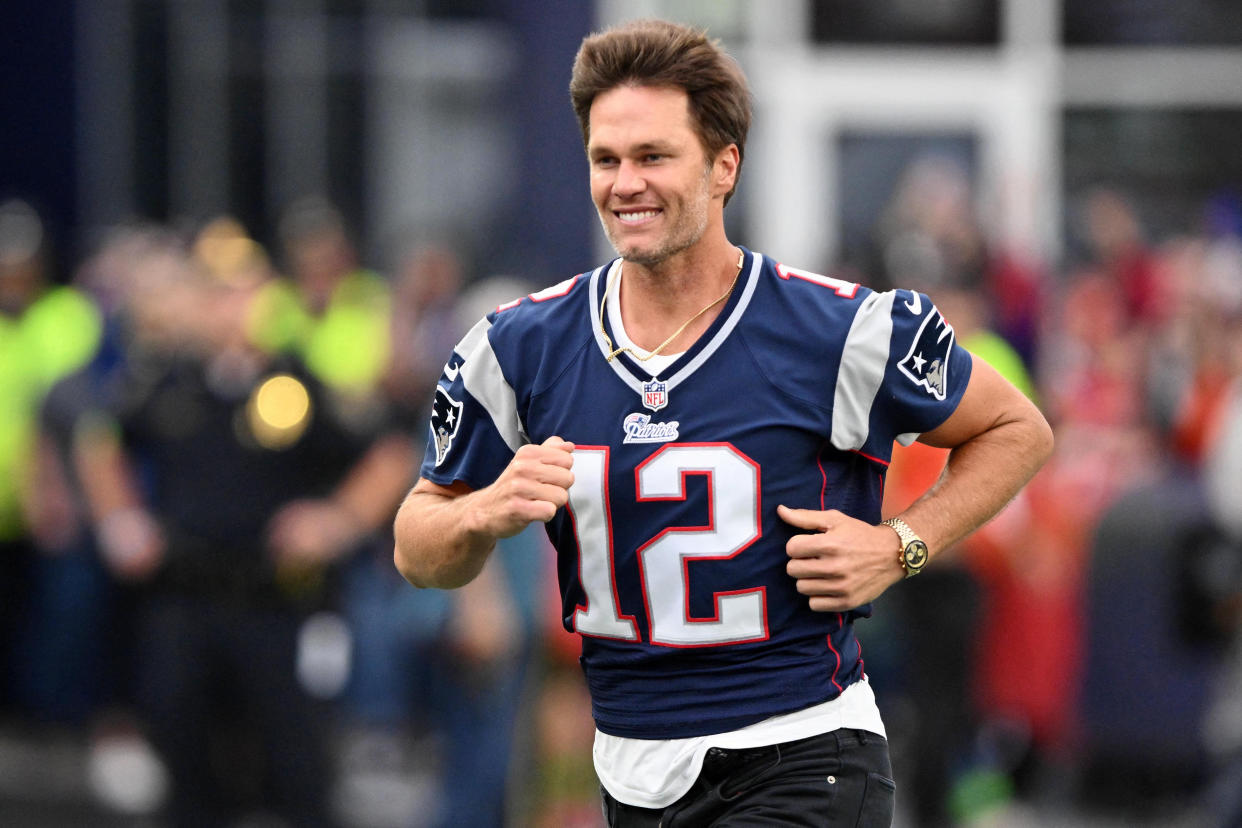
(654, 773)
(656, 364)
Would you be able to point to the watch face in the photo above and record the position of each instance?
(915, 556)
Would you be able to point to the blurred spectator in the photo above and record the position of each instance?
(1220, 582)
(1034, 559)
(438, 691)
(46, 332)
(234, 484)
(1137, 349)
(929, 230)
(1191, 359)
(1118, 252)
(449, 671)
(1164, 573)
(935, 244)
(331, 312)
(427, 322)
(72, 664)
(452, 668)
(1134, 362)
(931, 233)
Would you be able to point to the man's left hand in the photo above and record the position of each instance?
(844, 562)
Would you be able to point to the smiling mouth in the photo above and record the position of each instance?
(635, 216)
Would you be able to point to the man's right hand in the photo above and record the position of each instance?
(445, 533)
(532, 487)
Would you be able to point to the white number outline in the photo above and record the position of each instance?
(842, 288)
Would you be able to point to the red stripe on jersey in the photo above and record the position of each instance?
(836, 669)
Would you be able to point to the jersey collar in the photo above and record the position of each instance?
(632, 372)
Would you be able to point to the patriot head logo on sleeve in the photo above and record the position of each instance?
(927, 362)
(445, 420)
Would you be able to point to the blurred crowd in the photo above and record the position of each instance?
(203, 444)
(203, 440)
(1083, 647)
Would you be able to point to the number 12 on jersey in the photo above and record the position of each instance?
(733, 525)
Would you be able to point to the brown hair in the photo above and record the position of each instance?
(659, 53)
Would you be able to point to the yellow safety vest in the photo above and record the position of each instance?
(347, 346)
(52, 338)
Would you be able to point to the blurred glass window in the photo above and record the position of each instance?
(906, 22)
(1168, 163)
(877, 172)
(1152, 22)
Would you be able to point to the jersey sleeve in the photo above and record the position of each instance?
(902, 373)
(475, 428)
(927, 373)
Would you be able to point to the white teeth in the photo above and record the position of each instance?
(645, 214)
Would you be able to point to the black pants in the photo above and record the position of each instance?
(841, 778)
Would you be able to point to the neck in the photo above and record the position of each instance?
(656, 301)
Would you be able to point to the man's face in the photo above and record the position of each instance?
(650, 179)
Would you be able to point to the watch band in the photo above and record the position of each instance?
(913, 555)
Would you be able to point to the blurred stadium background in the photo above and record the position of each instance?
(1063, 177)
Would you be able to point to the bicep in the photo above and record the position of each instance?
(989, 401)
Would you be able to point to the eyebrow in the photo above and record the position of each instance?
(646, 146)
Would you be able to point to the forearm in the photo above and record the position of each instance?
(979, 479)
(445, 533)
(998, 440)
(437, 541)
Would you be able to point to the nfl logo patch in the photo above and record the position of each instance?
(655, 394)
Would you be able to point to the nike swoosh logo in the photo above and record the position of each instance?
(451, 371)
(917, 307)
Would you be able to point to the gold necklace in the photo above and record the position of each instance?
(614, 352)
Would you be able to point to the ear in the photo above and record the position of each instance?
(724, 170)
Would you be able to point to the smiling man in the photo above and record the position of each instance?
(705, 431)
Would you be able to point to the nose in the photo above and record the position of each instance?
(629, 180)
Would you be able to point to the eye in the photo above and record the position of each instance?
(653, 158)
(605, 161)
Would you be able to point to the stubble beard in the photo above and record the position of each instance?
(690, 226)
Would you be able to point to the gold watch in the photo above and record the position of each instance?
(913, 555)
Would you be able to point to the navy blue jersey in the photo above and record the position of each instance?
(671, 557)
